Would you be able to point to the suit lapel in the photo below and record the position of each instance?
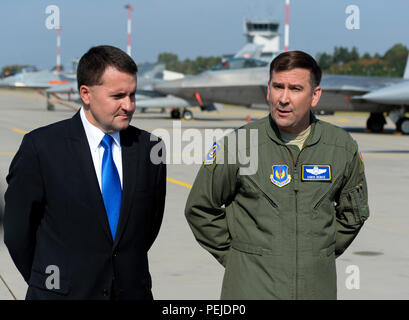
(82, 158)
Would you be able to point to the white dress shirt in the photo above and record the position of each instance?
(94, 137)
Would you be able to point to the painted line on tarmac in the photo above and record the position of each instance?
(343, 120)
(20, 131)
(11, 292)
(7, 153)
(183, 184)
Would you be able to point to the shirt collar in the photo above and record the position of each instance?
(95, 135)
(313, 137)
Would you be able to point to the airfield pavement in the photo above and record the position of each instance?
(180, 268)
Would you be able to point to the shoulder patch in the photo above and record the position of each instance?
(280, 176)
(211, 155)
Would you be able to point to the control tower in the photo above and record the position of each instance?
(263, 40)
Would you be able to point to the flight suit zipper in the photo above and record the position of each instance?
(295, 172)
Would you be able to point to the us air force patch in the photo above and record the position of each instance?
(280, 176)
(211, 155)
(316, 172)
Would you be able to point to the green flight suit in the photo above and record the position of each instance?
(280, 242)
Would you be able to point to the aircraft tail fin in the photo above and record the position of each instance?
(406, 73)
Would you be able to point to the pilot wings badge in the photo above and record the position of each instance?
(280, 176)
(316, 172)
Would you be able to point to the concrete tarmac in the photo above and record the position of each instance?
(180, 268)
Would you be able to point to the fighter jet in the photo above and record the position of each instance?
(29, 78)
(393, 95)
(145, 97)
(248, 87)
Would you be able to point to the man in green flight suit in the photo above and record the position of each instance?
(277, 230)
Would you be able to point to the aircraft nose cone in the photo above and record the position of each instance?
(394, 94)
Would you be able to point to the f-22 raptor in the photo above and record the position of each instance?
(248, 87)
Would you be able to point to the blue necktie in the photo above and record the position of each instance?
(111, 185)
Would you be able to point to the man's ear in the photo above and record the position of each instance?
(316, 95)
(268, 90)
(85, 94)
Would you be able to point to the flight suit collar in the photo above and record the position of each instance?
(313, 138)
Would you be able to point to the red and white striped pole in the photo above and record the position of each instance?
(287, 25)
(128, 47)
(58, 50)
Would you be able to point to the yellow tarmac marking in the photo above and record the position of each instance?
(7, 153)
(20, 131)
(189, 186)
(343, 120)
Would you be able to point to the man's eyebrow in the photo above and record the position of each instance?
(295, 85)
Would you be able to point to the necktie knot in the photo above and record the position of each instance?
(106, 142)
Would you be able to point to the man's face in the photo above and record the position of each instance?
(291, 97)
(110, 105)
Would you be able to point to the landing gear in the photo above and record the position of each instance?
(175, 114)
(375, 122)
(187, 114)
(403, 125)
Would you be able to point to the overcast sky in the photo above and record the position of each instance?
(191, 28)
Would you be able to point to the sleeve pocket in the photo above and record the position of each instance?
(359, 204)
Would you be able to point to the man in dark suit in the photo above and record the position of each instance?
(85, 201)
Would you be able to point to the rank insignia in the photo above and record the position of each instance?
(280, 176)
(211, 155)
(316, 172)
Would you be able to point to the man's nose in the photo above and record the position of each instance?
(128, 103)
(284, 97)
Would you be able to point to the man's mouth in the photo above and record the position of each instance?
(283, 111)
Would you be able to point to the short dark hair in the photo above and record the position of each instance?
(92, 64)
(297, 59)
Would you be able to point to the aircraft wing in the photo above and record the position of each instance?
(35, 80)
(357, 84)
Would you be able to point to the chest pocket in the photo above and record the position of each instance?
(327, 191)
(249, 188)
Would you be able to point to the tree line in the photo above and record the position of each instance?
(350, 62)
(187, 66)
(341, 61)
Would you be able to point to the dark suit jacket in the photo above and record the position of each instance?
(55, 215)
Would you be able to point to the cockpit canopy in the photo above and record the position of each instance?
(239, 63)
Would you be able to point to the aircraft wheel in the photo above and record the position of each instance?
(187, 114)
(175, 114)
(376, 122)
(403, 125)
